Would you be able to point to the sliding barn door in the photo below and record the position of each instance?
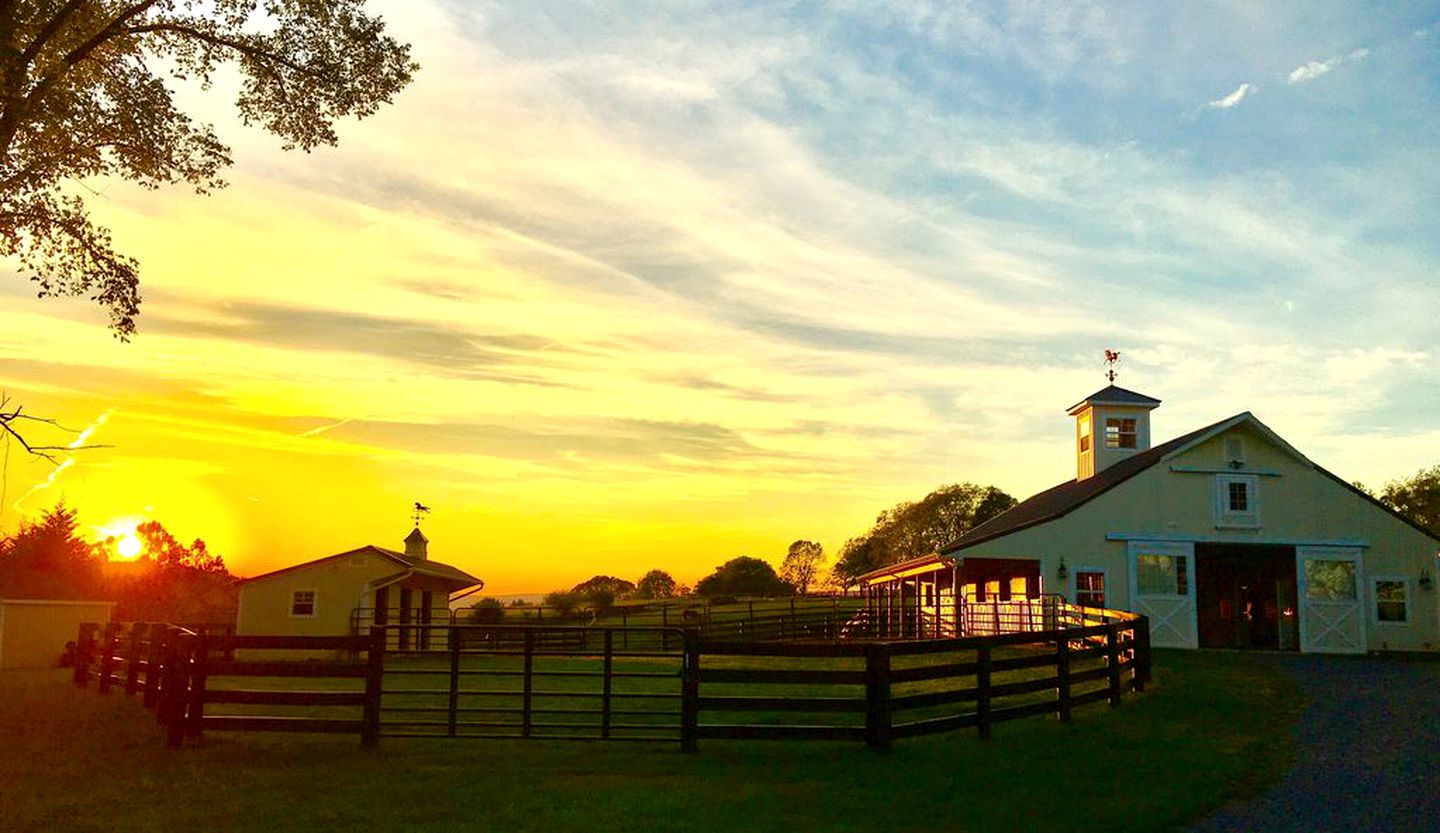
(1332, 617)
(1162, 586)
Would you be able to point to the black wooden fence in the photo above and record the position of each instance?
(670, 684)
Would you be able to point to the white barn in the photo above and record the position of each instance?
(1225, 537)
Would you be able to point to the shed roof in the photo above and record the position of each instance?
(419, 566)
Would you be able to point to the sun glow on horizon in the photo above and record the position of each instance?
(127, 544)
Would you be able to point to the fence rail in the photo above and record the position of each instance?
(639, 684)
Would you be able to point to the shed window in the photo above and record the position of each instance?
(1391, 601)
(302, 603)
(1089, 588)
(1119, 433)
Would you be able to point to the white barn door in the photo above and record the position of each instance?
(1162, 586)
(1332, 619)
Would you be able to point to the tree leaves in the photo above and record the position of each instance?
(910, 530)
(1417, 498)
(82, 97)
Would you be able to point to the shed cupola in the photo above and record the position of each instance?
(416, 545)
(1110, 424)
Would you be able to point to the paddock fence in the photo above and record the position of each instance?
(644, 684)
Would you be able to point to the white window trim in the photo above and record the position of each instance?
(1224, 517)
(314, 604)
(1075, 583)
(1371, 581)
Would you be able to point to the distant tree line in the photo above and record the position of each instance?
(904, 531)
(170, 581)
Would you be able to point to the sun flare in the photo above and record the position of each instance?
(128, 546)
(120, 534)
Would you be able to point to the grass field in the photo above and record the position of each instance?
(1213, 728)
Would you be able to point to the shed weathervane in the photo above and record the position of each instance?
(421, 510)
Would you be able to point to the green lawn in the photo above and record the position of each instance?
(1210, 730)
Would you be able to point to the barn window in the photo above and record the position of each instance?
(302, 603)
(1331, 580)
(1119, 433)
(1391, 601)
(1089, 588)
(1237, 500)
(1161, 575)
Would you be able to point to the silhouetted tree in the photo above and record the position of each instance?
(46, 559)
(743, 576)
(600, 592)
(173, 582)
(909, 530)
(802, 563)
(656, 584)
(83, 95)
(1417, 498)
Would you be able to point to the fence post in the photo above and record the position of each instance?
(84, 648)
(454, 702)
(606, 669)
(172, 704)
(374, 679)
(690, 691)
(198, 670)
(1112, 661)
(164, 687)
(878, 716)
(107, 656)
(1142, 652)
(152, 664)
(529, 683)
(982, 691)
(1062, 677)
(132, 668)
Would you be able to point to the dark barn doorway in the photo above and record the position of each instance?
(1245, 596)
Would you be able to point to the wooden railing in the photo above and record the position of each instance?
(880, 691)
(530, 682)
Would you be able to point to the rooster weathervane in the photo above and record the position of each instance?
(1112, 357)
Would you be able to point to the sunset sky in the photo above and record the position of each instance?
(618, 286)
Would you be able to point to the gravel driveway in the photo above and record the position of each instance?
(1367, 756)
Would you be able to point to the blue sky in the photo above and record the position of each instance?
(692, 282)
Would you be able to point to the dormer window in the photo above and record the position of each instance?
(1120, 433)
(1237, 500)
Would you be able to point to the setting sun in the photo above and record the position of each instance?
(121, 534)
(128, 547)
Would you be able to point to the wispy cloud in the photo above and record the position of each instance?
(1311, 70)
(1240, 94)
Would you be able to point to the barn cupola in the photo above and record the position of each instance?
(416, 545)
(1111, 424)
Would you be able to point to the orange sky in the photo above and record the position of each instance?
(607, 308)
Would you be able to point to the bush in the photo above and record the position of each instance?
(565, 602)
(487, 611)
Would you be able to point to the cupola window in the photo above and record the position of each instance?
(1120, 433)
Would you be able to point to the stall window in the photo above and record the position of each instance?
(1391, 601)
(1089, 588)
